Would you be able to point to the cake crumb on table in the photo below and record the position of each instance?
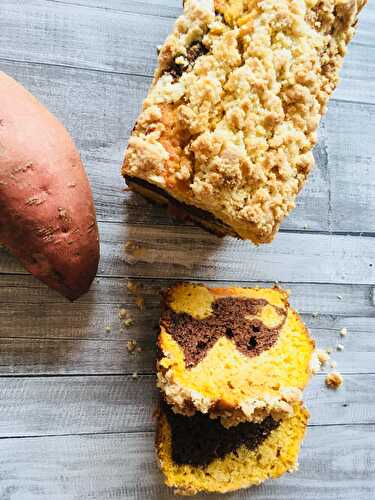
(123, 313)
(139, 302)
(135, 290)
(340, 347)
(333, 364)
(108, 329)
(344, 332)
(334, 380)
(135, 375)
(323, 356)
(131, 346)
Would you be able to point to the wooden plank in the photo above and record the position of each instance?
(351, 174)
(59, 356)
(172, 8)
(96, 404)
(99, 39)
(333, 300)
(336, 462)
(185, 253)
(160, 8)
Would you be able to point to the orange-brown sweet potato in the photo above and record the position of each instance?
(47, 215)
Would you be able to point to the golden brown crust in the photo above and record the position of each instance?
(230, 128)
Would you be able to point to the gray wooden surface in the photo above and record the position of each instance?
(74, 424)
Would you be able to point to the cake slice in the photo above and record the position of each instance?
(226, 133)
(240, 354)
(197, 454)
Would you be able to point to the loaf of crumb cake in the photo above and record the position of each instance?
(237, 354)
(197, 454)
(226, 133)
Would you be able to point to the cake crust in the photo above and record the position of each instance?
(231, 117)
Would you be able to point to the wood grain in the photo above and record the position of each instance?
(62, 338)
(100, 404)
(336, 463)
(74, 423)
(182, 253)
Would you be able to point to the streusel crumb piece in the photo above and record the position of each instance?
(334, 380)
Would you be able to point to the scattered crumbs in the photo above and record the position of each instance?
(334, 380)
(139, 349)
(344, 332)
(315, 363)
(135, 375)
(123, 313)
(130, 245)
(323, 356)
(135, 290)
(128, 322)
(133, 252)
(108, 329)
(333, 364)
(339, 297)
(139, 302)
(340, 347)
(131, 345)
(329, 350)
(314, 315)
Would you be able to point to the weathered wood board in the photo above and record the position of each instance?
(75, 423)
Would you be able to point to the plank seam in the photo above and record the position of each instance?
(109, 9)
(151, 431)
(197, 280)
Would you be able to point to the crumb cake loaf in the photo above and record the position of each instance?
(240, 354)
(226, 133)
(197, 454)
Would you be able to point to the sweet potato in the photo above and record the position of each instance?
(47, 214)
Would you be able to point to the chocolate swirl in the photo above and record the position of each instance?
(197, 336)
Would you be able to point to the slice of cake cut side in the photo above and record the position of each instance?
(240, 354)
(197, 454)
(226, 133)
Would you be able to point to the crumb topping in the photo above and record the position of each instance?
(231, 117)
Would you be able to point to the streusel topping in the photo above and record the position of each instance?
(243, 88)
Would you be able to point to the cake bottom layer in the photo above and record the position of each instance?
(178, 209)
(196, 454)
(199, 440)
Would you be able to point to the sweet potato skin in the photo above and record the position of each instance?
(47, 214)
